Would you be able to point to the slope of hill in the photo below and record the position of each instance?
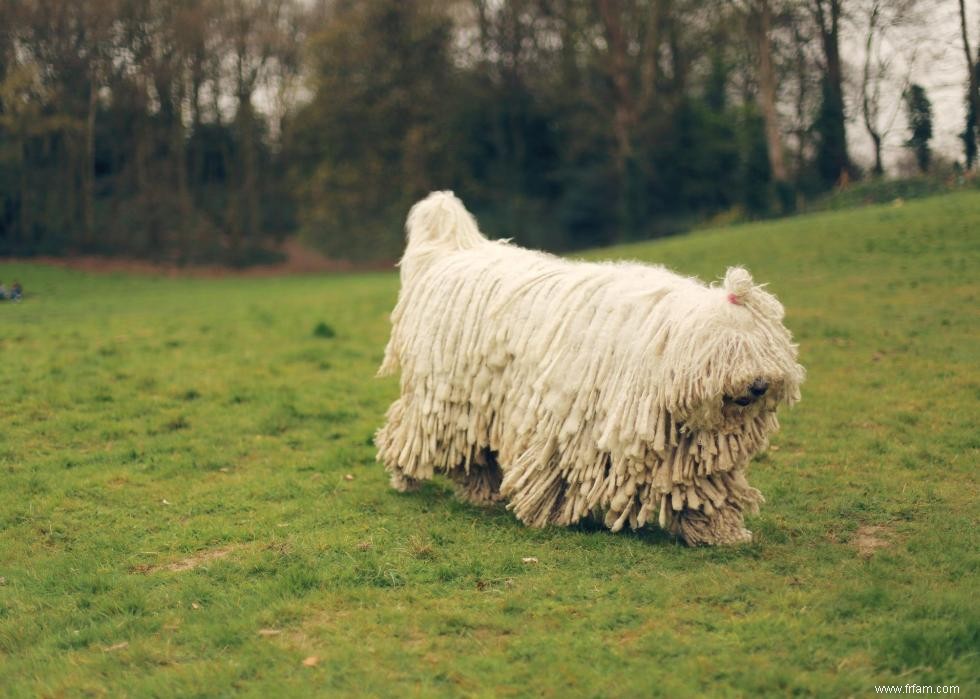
(190, 504)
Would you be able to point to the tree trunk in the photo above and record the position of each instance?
(179, 147)
(71, 211)
(828, 21)
(141, 146)
(624, 112)
(141, 156)
(767, 91)
(680, 61)
(869, 102)
(974, 83)
(26, 205)
(251, 190)
(624, 117)
(649, 67)
(801, 132)
(88, 168)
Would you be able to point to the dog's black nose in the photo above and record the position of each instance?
(759, 387)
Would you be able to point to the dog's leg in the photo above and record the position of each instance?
(402, 483)
(479, 483)
(415, 443)
(535, 489)
(713, 508)
(401, 447)
(724, 526)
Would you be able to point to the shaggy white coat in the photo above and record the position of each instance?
(573, 389)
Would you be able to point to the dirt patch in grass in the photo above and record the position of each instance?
(188, 563)
(870, 538)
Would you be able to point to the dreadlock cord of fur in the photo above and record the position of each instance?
(568, 389)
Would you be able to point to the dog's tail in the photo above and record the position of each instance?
(438, 223)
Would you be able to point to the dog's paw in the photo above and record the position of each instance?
(742, 536)
(403, 483)
(724, 528)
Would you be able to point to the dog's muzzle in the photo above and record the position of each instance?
(754, 392)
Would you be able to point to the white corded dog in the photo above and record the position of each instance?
(570, 389)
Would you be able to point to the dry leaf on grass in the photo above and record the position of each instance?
(349, 477)
(269, 632)
(529, 559)
(311, 661)
(116, 646)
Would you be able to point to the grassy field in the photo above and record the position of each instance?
(190, 504)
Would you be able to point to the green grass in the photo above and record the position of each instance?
(174, 458)
(886, 190)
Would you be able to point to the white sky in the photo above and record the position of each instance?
(934, 47)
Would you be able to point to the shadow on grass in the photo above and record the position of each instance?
(440, 493)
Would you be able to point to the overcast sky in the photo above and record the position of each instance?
(934, 47)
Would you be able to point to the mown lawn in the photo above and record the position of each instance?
(189, 503)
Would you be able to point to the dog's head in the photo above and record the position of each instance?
(730, 357)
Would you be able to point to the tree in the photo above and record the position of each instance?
(64, 45)
(520, 52)
(255, 36)
(919, 111)
(832, 158)
(969, 134)
(374, 137)
(973, 87)
(196, 130)
(107, 109)
(802, 83)
(623, 65)
(625, 116)
(760, 26)
(881, 19)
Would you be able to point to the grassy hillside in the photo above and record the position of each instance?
(190, 505)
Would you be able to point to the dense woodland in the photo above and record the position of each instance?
(210, 130)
